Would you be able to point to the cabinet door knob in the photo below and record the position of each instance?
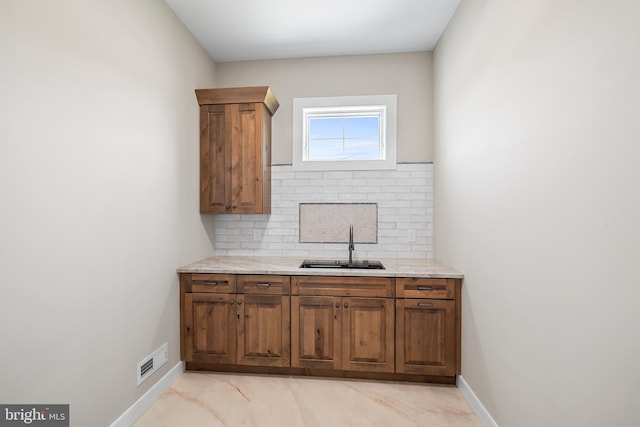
(337, 305)
(231, 302)
(239, 302)
(346, 305)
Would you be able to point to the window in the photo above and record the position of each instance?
(344, 133)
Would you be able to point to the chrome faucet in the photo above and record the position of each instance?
(351, 246)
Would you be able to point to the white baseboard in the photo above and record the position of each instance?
(481, 412)
(146, 400)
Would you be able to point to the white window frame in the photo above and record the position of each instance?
(385, 105)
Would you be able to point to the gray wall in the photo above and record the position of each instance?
(537, 201)
(408, 75)
(99, 197)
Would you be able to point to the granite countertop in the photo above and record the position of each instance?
(428, 268)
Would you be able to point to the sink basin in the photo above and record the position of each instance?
(364, 264)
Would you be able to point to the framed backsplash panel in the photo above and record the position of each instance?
(330, 222)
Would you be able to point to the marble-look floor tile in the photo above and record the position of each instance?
(215, 399)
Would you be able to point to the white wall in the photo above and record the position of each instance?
(402, 74)
(98, 197)
(537, 201)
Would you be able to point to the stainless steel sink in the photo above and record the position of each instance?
(364, 264)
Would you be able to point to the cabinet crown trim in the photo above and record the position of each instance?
(239, 95)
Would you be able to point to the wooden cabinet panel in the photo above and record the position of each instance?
(210, 328)
(342, 286)
(426, 337)
(263, 330)
(246, 184)
(368, 334)
(425, 288)
(215, 159)
(216, 283)
(264, 284)
(315, 332)
(265, 186)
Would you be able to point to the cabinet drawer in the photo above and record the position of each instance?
(216, 283)
(266, 285)
(342, 286)
(425, 288)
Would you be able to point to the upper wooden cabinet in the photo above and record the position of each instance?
(235, 149)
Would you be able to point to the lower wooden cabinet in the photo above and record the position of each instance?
(263, 330)
(388, 328)
(210, 328)
(367, 334)
(236, 328)
(428, 326)
(316, 332)
(342, 323)
(425, 337)
(354, 334)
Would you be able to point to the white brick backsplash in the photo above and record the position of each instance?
(405, 202)
(337, 175)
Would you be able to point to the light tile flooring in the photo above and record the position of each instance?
(215, 399)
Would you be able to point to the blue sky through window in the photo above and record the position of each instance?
(344, 138)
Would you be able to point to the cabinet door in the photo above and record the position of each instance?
(315, 332)
(425, 337)
(368, 334)
(246, 137)
(263, 330)
(215, 159)
(210, 328)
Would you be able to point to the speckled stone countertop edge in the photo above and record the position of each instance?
(397, 267)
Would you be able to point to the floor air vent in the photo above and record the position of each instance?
(152, 363)
(146, 367)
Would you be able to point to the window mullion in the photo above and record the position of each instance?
(343, 144)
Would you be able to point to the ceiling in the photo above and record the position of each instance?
(243, 30)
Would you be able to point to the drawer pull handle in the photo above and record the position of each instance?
(210, 283)
(263, 285)
(422, 304)
(425, 288)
